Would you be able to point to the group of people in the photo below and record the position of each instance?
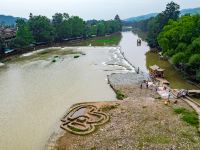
(168, 95)
(163, 91)
(146, 84)
(182, 93)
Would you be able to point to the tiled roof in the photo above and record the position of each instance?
(7, 32)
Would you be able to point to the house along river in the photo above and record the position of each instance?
(35, 92)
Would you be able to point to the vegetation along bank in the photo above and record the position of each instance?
(40, 30)
(177, 37)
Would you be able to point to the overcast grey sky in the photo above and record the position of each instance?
(89, 9)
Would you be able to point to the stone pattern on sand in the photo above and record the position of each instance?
(138, 124)
(83, 119)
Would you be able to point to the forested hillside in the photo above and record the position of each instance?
(8, 20)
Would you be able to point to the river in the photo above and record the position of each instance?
(35, 93)
(135, 54)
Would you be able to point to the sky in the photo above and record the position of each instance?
(89, 9)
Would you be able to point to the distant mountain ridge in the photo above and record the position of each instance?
(8, 20)
(147, 16)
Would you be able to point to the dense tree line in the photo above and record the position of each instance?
(180, 40)
(177, 37)
(63, 27)
(41, 30)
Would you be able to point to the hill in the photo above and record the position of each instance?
(147, 16)
(190, 11)
(139, 18)
(8, 20)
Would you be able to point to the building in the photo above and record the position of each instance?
(7, 35)
(157, 74)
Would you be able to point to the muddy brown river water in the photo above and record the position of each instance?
(35, 93)
(135, 54)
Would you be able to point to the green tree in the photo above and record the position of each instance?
(178, 58)
(77, 26)
(118, 23)
(157, 23)
(23, 36)
(57, 18)
(63, 26)
(41, 28)
(101, 29)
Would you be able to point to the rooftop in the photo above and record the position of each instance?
(155, 67)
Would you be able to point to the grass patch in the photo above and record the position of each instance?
(158, 139)
(191, 117)
(120, 95)
(189, 136)
(108, 107)
(75, 129)
(111, 40)
(172, 75)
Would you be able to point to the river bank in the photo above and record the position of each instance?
(109, 40)
(42, 91)
(140, 121)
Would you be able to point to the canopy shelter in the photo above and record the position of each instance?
(156, 72)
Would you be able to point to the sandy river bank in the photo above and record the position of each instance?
(141, 121)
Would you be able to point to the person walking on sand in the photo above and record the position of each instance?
(147, 85)
(141, 85)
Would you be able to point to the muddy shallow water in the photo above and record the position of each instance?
(133, 53)
(36, 92)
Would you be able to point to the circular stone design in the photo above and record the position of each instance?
(83, 119)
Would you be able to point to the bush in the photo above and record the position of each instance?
(120, 95)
